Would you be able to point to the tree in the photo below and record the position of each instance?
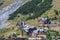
(54, 18)
(14, 35)
(56, 12)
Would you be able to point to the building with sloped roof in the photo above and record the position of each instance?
(44, 21)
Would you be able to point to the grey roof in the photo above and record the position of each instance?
(27, 27)
(44, 19)
(36, 31)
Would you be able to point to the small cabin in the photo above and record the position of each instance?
(44, 21)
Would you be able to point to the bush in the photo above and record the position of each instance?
(56, 12)
(54, 18)
(14, 35)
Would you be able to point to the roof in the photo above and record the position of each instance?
(27, 27)
(41, 29)
(35, 31)
(21, 23)
(44, 19)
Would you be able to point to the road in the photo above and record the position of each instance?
(4, 13)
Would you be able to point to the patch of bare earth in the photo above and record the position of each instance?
(56, 4)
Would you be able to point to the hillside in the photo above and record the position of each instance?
(49, 12)
(32, 10)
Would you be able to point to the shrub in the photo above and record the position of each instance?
(56, 12)
(54, 18)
